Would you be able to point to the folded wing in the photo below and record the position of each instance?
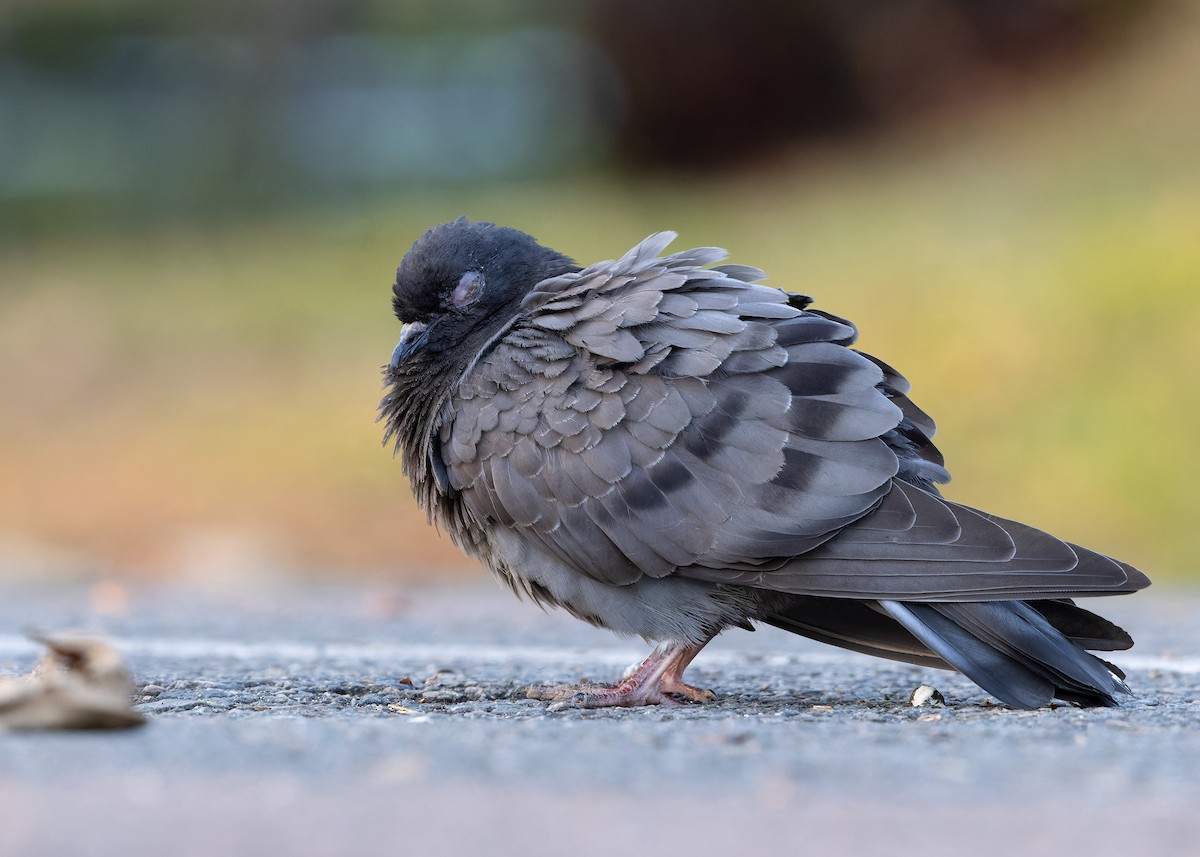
(651, 416)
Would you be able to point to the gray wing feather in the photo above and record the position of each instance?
(650, 417)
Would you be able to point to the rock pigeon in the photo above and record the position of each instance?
(665, 447)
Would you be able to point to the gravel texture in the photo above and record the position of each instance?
(328, 720)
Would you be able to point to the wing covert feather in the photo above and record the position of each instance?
(647, 416)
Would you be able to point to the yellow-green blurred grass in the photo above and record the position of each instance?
(201, 401)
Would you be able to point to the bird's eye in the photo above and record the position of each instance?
(468, 289)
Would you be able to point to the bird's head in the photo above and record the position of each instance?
(462, 279)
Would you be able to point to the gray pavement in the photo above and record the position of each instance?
(332, 720)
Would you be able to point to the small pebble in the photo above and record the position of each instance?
(443, 696)
(926, 695)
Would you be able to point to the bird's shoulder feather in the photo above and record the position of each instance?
(647, 414)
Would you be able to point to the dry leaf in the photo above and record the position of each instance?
(80, 683)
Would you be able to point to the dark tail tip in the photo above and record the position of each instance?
(1013, 651)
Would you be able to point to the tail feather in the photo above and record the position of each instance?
(1090, 631)
(1012, 651)
(860, 626)
(1025, 653)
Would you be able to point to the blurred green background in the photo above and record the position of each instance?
(201, 206)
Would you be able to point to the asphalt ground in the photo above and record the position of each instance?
(339, 720)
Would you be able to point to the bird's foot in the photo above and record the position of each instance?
(622, 694)
(687, 691)
(658, 681)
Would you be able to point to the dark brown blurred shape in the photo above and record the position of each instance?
(779, 70)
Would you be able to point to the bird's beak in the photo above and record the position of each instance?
(412, 337)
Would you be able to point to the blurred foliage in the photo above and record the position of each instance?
(137, 110)
(780, 71)
(194, 398)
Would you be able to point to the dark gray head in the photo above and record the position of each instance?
(461, 278)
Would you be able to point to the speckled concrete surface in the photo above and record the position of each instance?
(331, 720)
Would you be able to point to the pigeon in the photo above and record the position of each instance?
(666, 447)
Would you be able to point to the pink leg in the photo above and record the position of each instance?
(672, 678)
(656, 682)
